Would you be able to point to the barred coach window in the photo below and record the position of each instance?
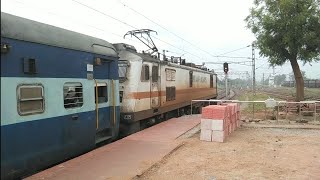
(73, 96)
(30, 99)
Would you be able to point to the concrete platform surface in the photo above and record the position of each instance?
(124, 158)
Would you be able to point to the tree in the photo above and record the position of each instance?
(279, 79)
(287, 30)
(303, 74)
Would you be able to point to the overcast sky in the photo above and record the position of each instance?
(196, 30)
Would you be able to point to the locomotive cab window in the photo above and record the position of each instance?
(145, 74)
(73, 96)
(122, 71)
(30, 99)
(102, 91)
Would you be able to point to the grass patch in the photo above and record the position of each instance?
(248, 96)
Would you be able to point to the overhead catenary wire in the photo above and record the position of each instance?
(127, 24)
(261, 65)
(178, 48)
(109, 16)
(93, 9)
(47, 10)
(186, 52)
(234, 50)
(168, 30)
(216, 56)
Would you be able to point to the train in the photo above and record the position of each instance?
(63, 93)
(163, 90)
(307, 83)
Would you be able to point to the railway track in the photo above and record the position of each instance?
(222, 95)
(289, 95)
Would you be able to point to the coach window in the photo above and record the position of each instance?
(73, 95)
(145, 73)
(102, 91)
(211, 81)
(190, 78)
(30, 99)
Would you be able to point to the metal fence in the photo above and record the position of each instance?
(280, 109)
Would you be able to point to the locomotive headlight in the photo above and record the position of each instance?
(5, 48)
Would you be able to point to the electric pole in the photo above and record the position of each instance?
(253, 70)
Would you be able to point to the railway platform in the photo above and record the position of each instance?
(127, 157)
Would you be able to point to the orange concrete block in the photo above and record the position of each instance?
(228, 109)
(214, 112)
(233, 118)
(234, 126)
(233, 107)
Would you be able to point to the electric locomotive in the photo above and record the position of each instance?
(153, 90)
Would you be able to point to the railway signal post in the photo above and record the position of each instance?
(226, 69)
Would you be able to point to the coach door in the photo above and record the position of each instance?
(104, 99)
(155, 87)
(102, 105)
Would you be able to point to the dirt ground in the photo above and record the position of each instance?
(248, 153)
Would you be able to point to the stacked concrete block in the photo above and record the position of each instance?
(219, 121)
(218, 125)
(238, 120)
(214, 123)
(214, 112)
(228, 118)
(232, 109)
(206, 133)
(219, 136)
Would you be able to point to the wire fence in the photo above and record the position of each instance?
(302, 111)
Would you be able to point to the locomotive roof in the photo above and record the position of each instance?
(148, 58)
(15, 27)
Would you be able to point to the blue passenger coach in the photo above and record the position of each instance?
(59, 95)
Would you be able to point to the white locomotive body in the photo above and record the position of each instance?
(154, 89)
